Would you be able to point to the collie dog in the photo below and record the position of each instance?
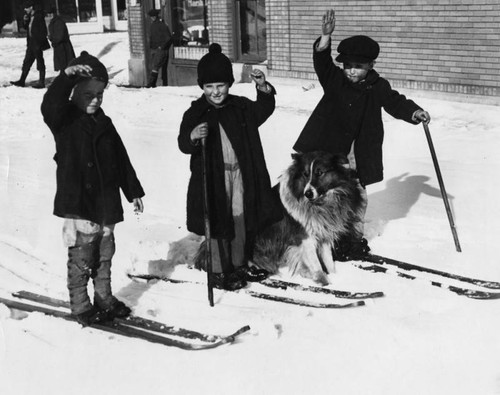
(322, 203)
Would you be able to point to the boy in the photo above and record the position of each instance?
(348, 117)
(240, 197)
(92, 166)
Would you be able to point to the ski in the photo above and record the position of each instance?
(470, 293)
(318, 305)
(380, 260)
(137, 321)
(255, 294)
(123, 329)
(276, 283)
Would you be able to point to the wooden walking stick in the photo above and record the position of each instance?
(206, 215)
(441, 186)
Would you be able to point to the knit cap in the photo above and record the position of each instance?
(362, 49)
(98, 72)
(215, 67)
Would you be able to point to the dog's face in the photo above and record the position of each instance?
(316, 173)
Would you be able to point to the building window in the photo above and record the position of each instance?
(121, 7)
(189, 22)
(77, 10)
(252, 29)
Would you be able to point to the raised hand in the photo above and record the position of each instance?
(328, 24)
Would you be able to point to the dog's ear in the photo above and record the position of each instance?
(341, 160)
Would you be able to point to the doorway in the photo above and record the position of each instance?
(251, 30)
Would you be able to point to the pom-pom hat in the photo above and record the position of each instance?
(98, 72)
(362, 49)
(215, 67)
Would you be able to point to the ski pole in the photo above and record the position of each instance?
(441, 186)
(206, 215)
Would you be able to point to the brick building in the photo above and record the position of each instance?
(448, 46)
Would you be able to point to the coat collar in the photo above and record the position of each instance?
(201, 105)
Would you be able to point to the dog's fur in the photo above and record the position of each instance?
(322, 201)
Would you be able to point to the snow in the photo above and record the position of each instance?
(417, 339)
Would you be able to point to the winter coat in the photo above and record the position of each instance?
(59, 37)
(37, 36)
(160, 36)
(92, 162)
(350, 112)
(240, 118)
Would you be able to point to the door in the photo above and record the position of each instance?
(251, 30)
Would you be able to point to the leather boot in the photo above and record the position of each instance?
(152, 80)
(41, 81)
(22, 81)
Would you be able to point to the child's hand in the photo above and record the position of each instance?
(81, 70)
(258, 77)
(328, 25)
(138, 205)
(199, 132)
(421, 115)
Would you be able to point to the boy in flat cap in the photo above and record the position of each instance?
(240, 197)
(92, 167)
(348, 117)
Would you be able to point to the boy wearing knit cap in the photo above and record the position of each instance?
(348, 118)
(92, 167)
(240, 197)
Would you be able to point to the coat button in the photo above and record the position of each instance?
(88, 186)
(90, 164)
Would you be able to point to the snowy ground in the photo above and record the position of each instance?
(417, 340)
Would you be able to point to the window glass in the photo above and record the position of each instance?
(122, 10)
(252, 14)
(88, 11)
(189, 22)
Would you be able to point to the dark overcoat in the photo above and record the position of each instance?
(350, 112)
(61, 43)
(92, 162)
(160, 36)
(240, 118)
(37, 40)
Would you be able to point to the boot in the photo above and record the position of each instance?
(227, 281)
(252, 273)
(92, 316)
(22, 81)
(152, 80)
(81, 262)
(348, 249)
(41, 81)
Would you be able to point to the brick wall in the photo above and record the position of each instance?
(441, 45)
(220, 16)
(137, 35)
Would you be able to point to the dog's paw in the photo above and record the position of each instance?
(321, 278)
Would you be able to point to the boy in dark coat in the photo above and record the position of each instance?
(241, 201)
(36, 43)
(160, 40)
(59, 37)
(92, 167)
(348, 118)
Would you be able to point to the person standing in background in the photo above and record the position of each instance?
(59, 38)
(160, 39)
(34, 23)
